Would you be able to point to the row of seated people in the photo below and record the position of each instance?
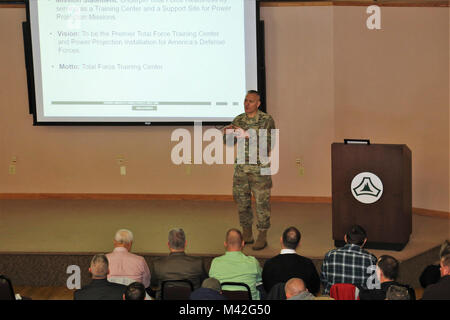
(121, 274)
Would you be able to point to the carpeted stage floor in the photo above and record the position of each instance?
(86, 226)
(83, 227)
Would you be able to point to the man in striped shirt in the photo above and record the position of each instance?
(349, 264)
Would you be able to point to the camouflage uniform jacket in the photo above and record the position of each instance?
(260, 121)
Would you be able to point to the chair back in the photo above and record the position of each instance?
(344, 291)
(176, 289)
(6, 289)
(237, 294)
(277, 292)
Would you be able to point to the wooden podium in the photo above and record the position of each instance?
(386, 208)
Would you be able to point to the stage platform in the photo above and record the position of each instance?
(42, 237)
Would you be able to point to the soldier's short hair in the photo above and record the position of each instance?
(254, 92)
(389, 266)
(177, 239)
(291, 238)
(356, 235)
(397, 293)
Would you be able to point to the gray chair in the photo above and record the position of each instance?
(237, 294)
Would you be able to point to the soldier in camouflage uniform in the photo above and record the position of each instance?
(247, 179)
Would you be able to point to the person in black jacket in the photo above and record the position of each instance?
(177, 265)
(100, 288)
(441, 289)
(432, 273)
(387, 273)
(288, 264)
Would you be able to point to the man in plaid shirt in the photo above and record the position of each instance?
(350, 263)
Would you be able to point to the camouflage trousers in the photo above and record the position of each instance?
(246, 183)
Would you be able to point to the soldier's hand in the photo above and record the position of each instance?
(241, 133)
(229, 127)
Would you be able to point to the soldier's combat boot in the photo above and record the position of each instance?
(261, 241)
(247, 235)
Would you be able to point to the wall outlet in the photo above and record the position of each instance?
(12, 169)
(300, 167)
(120, 160)
(123, 170)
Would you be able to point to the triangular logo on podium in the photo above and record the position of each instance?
(366, 187)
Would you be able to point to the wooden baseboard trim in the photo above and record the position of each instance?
(116, 196)
(187, 197)
(301, 199)
(431, 213)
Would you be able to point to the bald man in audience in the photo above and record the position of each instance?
(234, 266)
(126, 267)
(100, 288)
(295, 289)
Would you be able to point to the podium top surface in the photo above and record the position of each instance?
(371, 145)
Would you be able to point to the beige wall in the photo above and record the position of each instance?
(328, 78)
(300, 95)
(392, 86)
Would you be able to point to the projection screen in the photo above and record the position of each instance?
(142, 61)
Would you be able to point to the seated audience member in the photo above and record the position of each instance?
(441, 289)
(177, 265)
(348, 264)
(210, 290)
(397, 293)
(234, 266)
(387, 274)
(124, 264)
(100, 288)
(432, 273)
(135, 291)
(296, 290)
(288, 264)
